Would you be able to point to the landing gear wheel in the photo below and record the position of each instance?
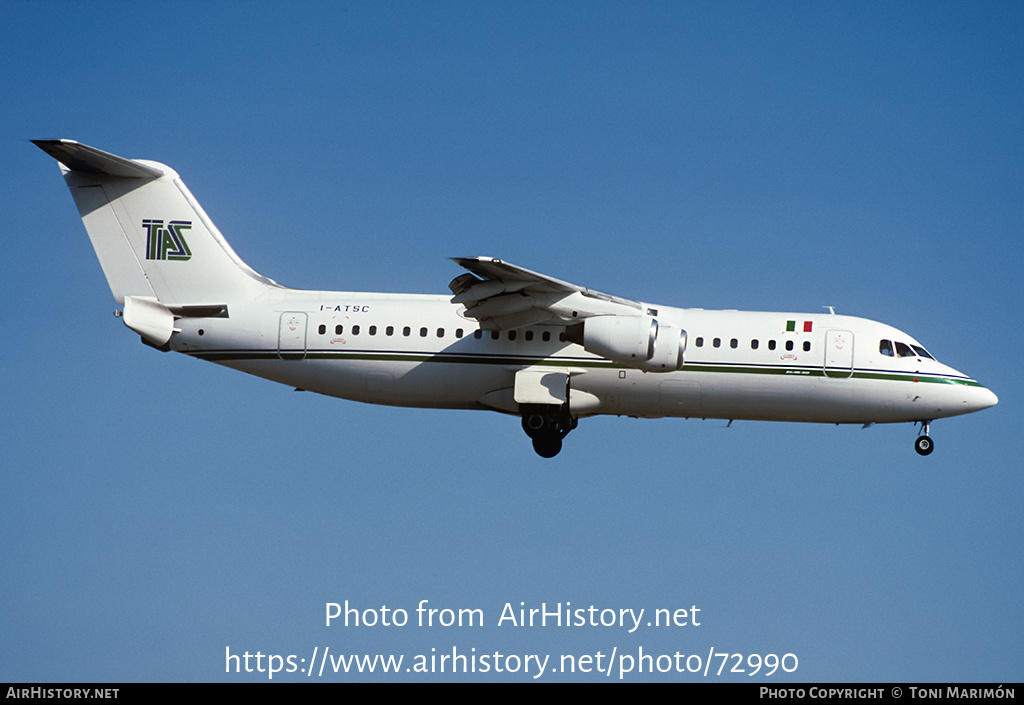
(538, 424)
(924, 445)
(547, 425)
(547, 447)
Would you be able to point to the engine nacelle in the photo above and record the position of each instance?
(668, 351)
(637, 341)
(626, 339)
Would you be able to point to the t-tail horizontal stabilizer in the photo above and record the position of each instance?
(81, 157)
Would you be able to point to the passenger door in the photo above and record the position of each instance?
(838, 353)
(291, 340)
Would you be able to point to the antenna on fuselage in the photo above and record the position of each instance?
(831, 309)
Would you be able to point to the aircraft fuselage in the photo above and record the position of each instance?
(413, 350)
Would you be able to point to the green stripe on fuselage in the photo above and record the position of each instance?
(473, 359)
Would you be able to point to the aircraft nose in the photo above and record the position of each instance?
(982, 398)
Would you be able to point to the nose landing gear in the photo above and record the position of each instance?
(924, 444)
(547, 425)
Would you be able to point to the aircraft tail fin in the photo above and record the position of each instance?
(151, 236)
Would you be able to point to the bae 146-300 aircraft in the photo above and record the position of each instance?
(508, 339)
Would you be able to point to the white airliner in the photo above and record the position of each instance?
(508, 340)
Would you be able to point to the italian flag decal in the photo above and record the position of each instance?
(791, 326)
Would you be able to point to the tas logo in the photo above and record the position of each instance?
(167, 243)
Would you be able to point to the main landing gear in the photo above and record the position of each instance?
(924, 444)
(547, 425)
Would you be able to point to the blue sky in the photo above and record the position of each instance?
(867, 156)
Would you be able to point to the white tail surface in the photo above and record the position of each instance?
(152, 237)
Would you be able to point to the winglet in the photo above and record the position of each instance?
(81, 157)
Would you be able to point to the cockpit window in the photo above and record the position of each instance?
(886, 347)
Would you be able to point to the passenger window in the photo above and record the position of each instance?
(699, 342)
(440, 332)
(390, 330)
(511, 335)
(807, 346)
(546, 336)
(355, 330)
(528, 335)
(734, 343)
(322, 329)
(771, 344)
(373, 330)
(885, 347)
(753, 344)
(495, 334)
(789, 345)
(423, 332)
(338, 329)
(478, 334)
(406, 331)
(458, 332)
(717, 342)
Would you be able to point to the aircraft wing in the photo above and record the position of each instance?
(502, 296)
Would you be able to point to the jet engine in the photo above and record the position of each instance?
(668, 351)
(637, 341)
